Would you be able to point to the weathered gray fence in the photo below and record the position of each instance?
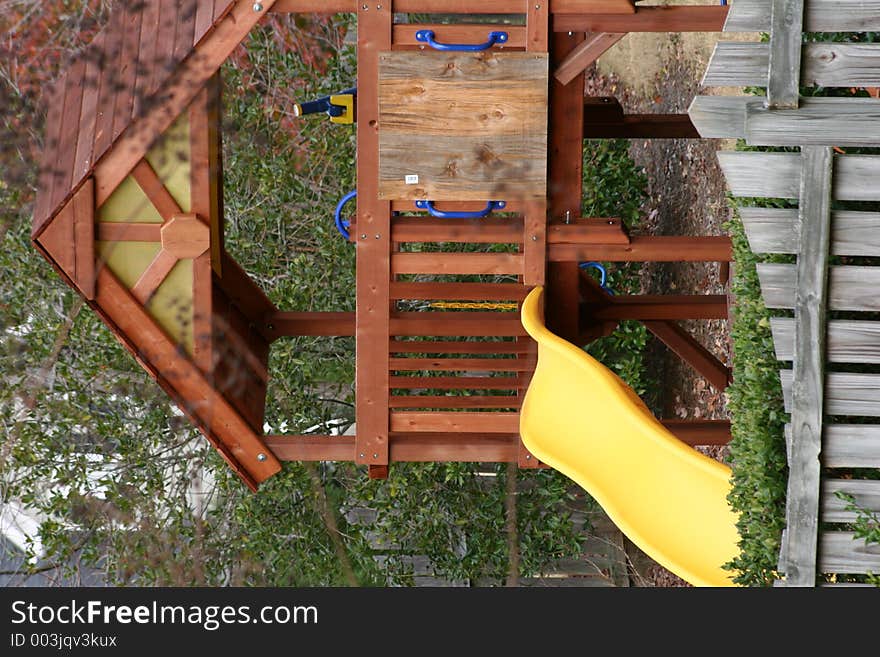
(831, 431)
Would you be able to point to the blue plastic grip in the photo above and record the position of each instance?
(603, 274)
(427, 36)
(341, 224)
(479, 214)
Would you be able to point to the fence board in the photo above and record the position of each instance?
(866, 493)
(846, 393)
(850, 287)
(851, 446)
(777, 175)
(773, 230)
(786, 35)
(849, 341)
(745, 64)
(842, 552)
(819, 16)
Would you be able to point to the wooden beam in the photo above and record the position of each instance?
(647, 19)
(643, 126)
(373, 300)
(282, 323)
(851, 446)
(176, 95)
(819, 16)
(848, 341)
(454, 447)
(491, 230)
(464, 324)
(463, 364)
(84, 238)
(454, 422)
(112, 231)
(457, 382)
(183, 381)
(588, 230)
(660, 307)
(311, 447)
(455, 263)
(774, 230)
(459, 291)
(798, 560)
(691, 352)
(786, 38)
(454, 401)
(700, 432)
(585, 54)
(153, 275)
(648, 249)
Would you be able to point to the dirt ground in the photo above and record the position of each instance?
(660, 73)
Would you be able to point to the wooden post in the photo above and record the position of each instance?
(373, 245)
(786, 38)
(798, 559)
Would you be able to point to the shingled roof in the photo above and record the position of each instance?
(112, 83)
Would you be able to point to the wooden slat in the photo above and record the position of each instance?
(464, 324)
(778, 175)
(453, 401)
(156, 192)
(585, 54)
(462, 364)
(865, 492)
(203, 206)
(663, 306)
(178, 91)
(691, 352)
(163, 57)
(186, 22)
(842, 552)
(452, 422)
(798, 558)
(849, 341)
(65, 154)
(311, 448)
(646, 19)
(745, 64)
(850, 287)
(457, 6)
(58, 239)
(455, 263)
(84, 238)
(284, 323)
(153, 275)
(89, 108)
(786, 36)
(221, 8)
(649, 248)
(819, 16)
(195, 396)
(699, 432)
(123, 101)
(146, 52)
(534, 259)
(643, 126)
(851, 446)
(459, 291)
(456, 382)
(43, 208)
(491, 230)
(373, 254)
(589, 230)
(454, 447)
(721, 117)
(243, 292)
(111, 81)
(112, 231)
(819, 121)
(457, 347)
(846, 393)
(404, 34)
(774, 230)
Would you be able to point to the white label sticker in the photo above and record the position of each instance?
(411, 179)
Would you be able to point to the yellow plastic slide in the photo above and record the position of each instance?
(669, 499)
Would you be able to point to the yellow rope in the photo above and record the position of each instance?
(458, 305)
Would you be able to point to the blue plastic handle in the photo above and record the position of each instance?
(341, 224)
(603, 274)
(427, 36)
(479, 214)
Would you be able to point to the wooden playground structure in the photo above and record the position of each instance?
(130, 213)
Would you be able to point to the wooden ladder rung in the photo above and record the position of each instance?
(454, 447)
(456, 263)
(455, 422)
(454, 401)
(491, 230)
(457, 382)
(458, 347)
(458, 291)
(465, 324)
(464, 364)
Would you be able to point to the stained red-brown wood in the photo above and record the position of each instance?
(244, 292)
(453, 401)
(456, 382)
(43, 207)
(110, 56)
(638, 126)
(153, 275)
(537, 26)
(282, 323)
(203, 206)
(647, 19)
(652, 248)
(186, 23)
(454, 447)
(458, 291)
(592, 6)
(700, 432)
(691, 352)
(89, 109)
(156, 192)
(534, 259)
(463, 364)
(58, 241)
(123, 101)
(374, 253)
(456, 347)
(163, 61)
(465, 324)
(311, 447)
(84, 238)
(66, 151)
(661, 307)
(455, 263)
(452, 422)
(585, 54)
(111, 231)
(146, 52)
(195, 395)
(491, 230)
(564, 184)
(589, 230)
